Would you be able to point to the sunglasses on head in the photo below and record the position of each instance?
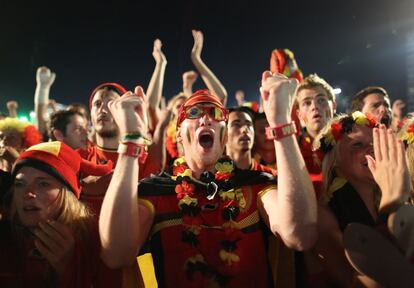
(216, 113)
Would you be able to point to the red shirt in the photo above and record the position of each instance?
(312, 161)
(256, 166)
(173, 257)
(22, 265)
(99, 155)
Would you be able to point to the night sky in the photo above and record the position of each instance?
(352, 44)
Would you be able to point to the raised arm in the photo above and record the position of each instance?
(12, 108)
(123, 223)
(154, 90)
(212, 82)
(239, 97)
(44, 79)
(189, 79)
(290, 210)
(157, 154)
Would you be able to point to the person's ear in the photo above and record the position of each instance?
(178, 135)
(57, 134)
(302, 122)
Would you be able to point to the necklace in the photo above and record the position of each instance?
(231, 200)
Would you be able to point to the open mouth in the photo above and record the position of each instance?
(317, 116)
(31, 209)
(244, 139)
(385, 120)
(206, 139)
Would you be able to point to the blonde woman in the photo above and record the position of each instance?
(365, 179)
(49, 238)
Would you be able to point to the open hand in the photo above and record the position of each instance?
(198, 44)
(389, 168)
(56, 243)
(157, 52)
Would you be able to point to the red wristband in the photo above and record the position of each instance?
(279, 132)
(133, 150)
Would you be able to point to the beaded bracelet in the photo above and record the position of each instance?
(136, 138)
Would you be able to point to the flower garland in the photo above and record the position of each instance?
(341, 126)
(231, 199)
(171, 140)
(407, 135)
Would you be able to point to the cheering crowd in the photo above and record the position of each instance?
(135, 191)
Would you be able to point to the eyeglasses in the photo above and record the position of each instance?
(216, 113)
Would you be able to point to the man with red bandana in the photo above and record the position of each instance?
(202, 221)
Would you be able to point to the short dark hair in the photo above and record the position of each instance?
(358, 99)
(243, 109)
(80, 108)
(60, 119)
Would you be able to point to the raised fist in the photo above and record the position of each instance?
(44, 76)
(130, 112)
(278, 95)
(190, 77)
(239, 97)
(12, 105)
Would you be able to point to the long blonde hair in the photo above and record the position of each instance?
(332, 148)
(330, 158)
(407, 135)
(72, 213)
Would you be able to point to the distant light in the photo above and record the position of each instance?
(337, 91)
(24, 118)
(32, 114)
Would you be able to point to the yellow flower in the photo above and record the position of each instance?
(242, 203)
(330, 139)
(225, 167)
(240, 197)
(187, 200)
(228, 257)
(194, 229)
(196, 258)
(408, 137)
(187, 172)
(227, 195)
(360, 118)
(179, 161)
